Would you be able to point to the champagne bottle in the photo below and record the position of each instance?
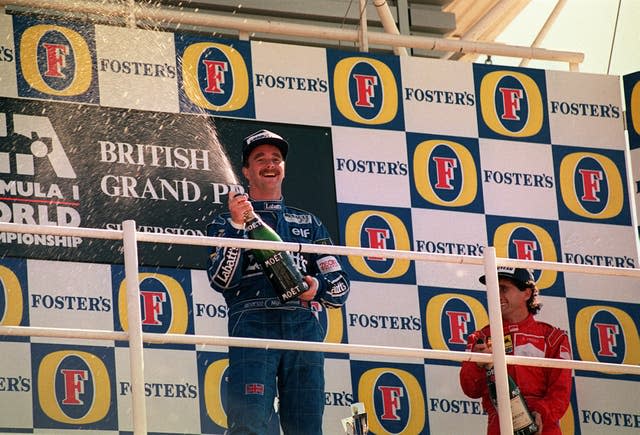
(523, 422)
(277, 265)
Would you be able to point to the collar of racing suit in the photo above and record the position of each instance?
(514, 327)
(269, 210)
(273, 205)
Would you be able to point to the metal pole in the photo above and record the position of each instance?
(389, 24)
(317, 249)
(359, 349)
(497, 341)
(134, 319)
(545, 29)
(362, 31)
(131, 18)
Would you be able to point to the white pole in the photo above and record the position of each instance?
(362, 31)
(360, 349)
(497, 341)
(134, 319)
(317, 249)
(131, 18)
(545, 28)
(389, 24)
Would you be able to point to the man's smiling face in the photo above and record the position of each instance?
(265, 170)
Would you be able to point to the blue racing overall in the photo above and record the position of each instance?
(257, 375)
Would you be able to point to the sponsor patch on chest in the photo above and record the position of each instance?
(529, 345)
(297, 218)
(329, 264)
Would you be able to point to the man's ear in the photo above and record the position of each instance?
(244, 171)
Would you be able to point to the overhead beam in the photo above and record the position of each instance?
(240, 24)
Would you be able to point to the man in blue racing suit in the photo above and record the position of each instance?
(257, 375)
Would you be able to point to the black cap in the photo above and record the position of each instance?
(262, 137)
(522, 276)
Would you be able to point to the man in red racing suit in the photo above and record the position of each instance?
(547, 391)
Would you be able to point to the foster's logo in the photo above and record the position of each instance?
(163, 302)
(632, 99)
(394, 400)
(591, 186)
(12, 302)
(332, 321)
(214, 386)
(55, 61)
(450, 317)
(445, 173)
(512, 103)
(73, 387)
(365, 91)
(378, 229)
(607, 333)
(215, 76)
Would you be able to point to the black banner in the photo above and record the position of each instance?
(87, 166)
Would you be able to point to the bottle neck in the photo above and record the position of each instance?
(249, 216)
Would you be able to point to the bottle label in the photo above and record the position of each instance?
(253, 224)
(271, 261)
(286, 280)
(290, 294)
(284, 277)
(520, 414)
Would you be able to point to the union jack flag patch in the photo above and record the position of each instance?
(254, 389)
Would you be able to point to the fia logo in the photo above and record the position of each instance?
(365, 90)
(444, 173)
(56, 61)
(512, 103)
(74, 387)
(34, 148)
(606, 332)
(632, 100)
(215, 77)
(529, 240)
(165, 302)
(449, 317)
(33, 169)
(591, 185)
(377, 229)
(13, 295)
(392, 395)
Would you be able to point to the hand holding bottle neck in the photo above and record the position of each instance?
(483, 346)
(240, 209)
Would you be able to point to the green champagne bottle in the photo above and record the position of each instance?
(523, 422)
(285, 278)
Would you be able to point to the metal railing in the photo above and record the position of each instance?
(136, 336)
